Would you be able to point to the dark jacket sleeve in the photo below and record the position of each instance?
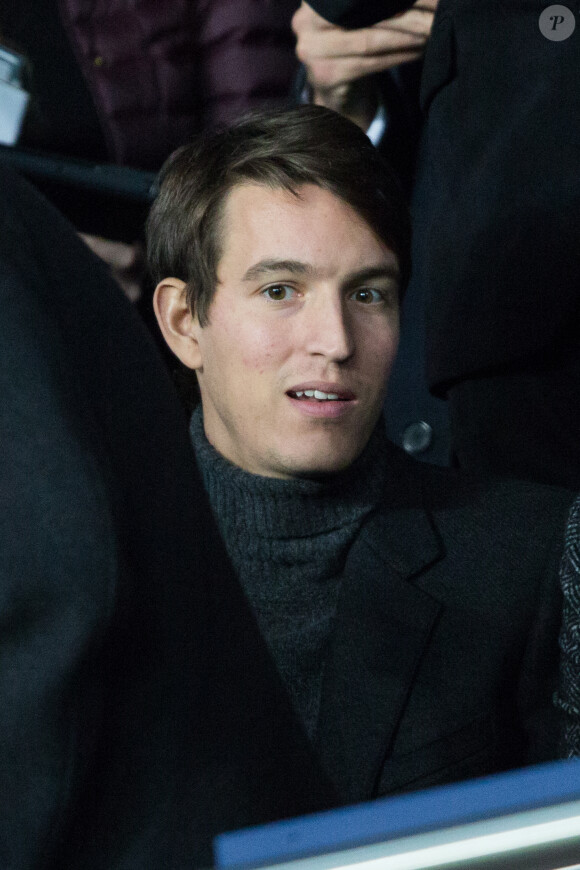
(358, 13)
(57, 557)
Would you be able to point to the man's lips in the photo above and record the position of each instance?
(321, 391)
(322, 400)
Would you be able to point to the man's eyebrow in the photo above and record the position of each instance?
(297, 267)
(265, 267)
(390, 271)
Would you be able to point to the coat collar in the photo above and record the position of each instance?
(402, 533)
(383, 625)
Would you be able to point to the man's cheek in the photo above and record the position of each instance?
(261, 355)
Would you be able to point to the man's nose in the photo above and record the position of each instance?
(328, 330)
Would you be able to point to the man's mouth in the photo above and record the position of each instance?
(319, 395)
(322, 401)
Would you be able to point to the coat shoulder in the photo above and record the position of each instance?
(514, 506)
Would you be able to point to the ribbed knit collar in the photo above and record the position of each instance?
(275, 509)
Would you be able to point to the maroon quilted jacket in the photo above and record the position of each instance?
(160, 70)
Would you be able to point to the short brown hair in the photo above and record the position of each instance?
(282, 150)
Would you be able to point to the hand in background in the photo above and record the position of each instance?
(126, 262)
(339, 62)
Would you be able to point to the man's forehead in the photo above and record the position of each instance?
(258, 193)
(270, 220)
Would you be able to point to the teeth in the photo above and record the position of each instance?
(316, 394)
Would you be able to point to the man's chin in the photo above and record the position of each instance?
(321, 464)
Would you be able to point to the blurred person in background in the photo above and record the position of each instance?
(370, 75)
(128, 82)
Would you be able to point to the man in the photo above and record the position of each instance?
(497, 210)
(411, 613)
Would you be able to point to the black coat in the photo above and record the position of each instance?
(358, 13)
(445, 654)
(140, 713)
(442, 666)
(497, 199)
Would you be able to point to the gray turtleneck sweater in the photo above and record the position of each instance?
(288, 541)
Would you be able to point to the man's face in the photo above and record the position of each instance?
(302, 333)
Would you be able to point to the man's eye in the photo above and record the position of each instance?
(367, 296)
(278, 292)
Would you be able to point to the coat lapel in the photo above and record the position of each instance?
(383, 624)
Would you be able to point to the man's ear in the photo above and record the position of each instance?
(178, 325)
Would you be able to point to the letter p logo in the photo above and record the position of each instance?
(557, 23)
